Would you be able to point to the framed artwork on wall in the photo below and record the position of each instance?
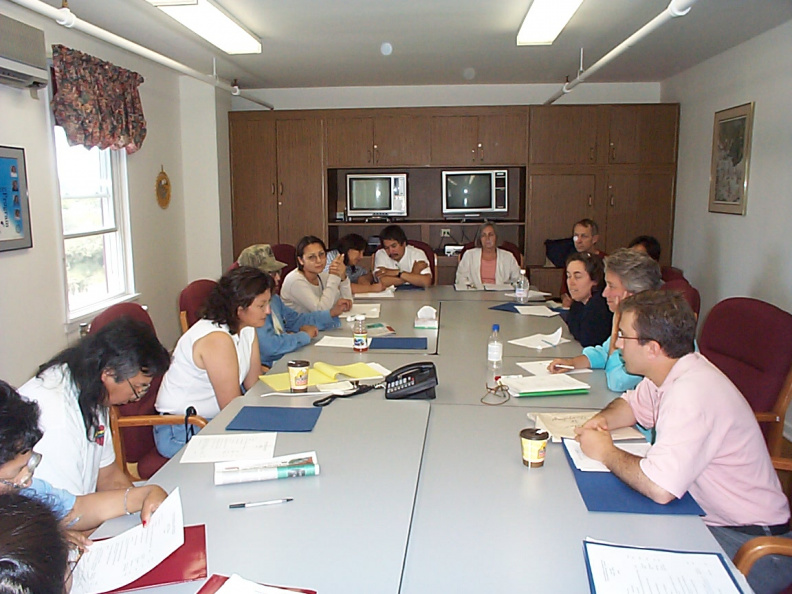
(731, 152)
(15, 233)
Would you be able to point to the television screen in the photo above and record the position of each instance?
(370, 194)
(468, 190)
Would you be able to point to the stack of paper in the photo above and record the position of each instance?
(324, 373)
(536, 310)
(586, 464)
(561, 425)
(547, 385)
(495, 287)
(388, 293)
(541, 341)
(233, 446)
(370, 310)
(247, 471)
(540, 368)
(339, 342)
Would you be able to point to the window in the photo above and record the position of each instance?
(95, 230)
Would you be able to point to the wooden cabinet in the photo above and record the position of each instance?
(642, 134)
(479, 140)
(377, 141)
(564, 134)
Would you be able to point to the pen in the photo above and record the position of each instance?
(258, 503)
(559, 366)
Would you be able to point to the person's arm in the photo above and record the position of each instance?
(416, 276)
(561, 365)
(614, 331)
(273, 346)
(255, 363)
(111, 477)
(216, 354)
(616, 375)
(304, 293)
(511, 273)
(463, 276)
(616, 415)
(92, 510)
(364, 285)
(345, 289)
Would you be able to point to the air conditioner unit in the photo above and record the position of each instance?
(23, 55)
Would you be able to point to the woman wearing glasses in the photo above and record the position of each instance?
(218, 356)
(310, 288)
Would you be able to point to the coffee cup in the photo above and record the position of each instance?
(298, 375)
(534, 445)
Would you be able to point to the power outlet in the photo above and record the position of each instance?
(445, 232)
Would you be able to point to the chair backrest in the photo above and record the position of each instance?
(515, 250)
(689, 292)
(285, 253)
(430, 255)
(751, 342)
(669, 273)
(468, 246)
(191, 301)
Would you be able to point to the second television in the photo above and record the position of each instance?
(475, 193)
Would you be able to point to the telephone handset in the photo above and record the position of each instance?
(413, 381)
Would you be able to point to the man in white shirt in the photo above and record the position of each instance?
(397, 263)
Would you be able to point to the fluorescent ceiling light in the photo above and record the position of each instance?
(212, 23)
(545, 20)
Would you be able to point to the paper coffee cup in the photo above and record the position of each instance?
(298, 375)
(534, 445)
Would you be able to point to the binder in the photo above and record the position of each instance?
(410, 343)
(275, 418)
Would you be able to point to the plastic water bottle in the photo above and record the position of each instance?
(494, 356)
(521, 290)
(360, 334)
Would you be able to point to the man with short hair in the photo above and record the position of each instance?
(707, 442)
(585, 235)
(398, 263)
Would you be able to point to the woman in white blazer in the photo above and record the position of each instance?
(486, 263)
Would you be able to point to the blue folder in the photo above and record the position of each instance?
(605, 492)
(505, 307)
(407, 287)
(410, 343)
(274, 418)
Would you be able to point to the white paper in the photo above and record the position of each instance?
(229, 446)
(388, 293)
(616, 569)
(532, 295)
(379, 368)
(534, 384)
(238, 585)
(535, 310)
(494, 287)
(115, 562)
(370, 310)
(461, 287)
(561, 425)
(540, 368)
(541, 341)
(340, 342)
(586, 464)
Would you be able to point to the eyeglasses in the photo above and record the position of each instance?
(74, 558)
(23, 478)
(620, 336)
(138, 393)
(496, 395)
(315, 257)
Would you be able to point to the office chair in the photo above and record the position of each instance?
(192, 300)
(689, 292)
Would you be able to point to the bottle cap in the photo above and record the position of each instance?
(522, 270)
(360, 318)
(496, 327)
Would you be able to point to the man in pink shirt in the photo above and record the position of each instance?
(707, 439)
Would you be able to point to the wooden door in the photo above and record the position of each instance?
(402, 140)
(563, 134)
(640, 204)
(454, 140)
(643, 134)
(501, 139)
(254, 205)
(301, 202)
(350, 142)
(555, 202)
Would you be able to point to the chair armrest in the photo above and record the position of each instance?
(151, 420)
(758, 547)
(782, 463)
(767, 417)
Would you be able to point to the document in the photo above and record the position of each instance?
(247, 471)
(339, 342)
(461, 287)
(324, 373)
(379, 329)
(535, 310)
(532, 295)
(561, 425)
(543, 385)
(615, 569)
(370, 310)
(388, 293)
(231, 446)
(541, 341)
(586, 464)
(238, 585)
(540, 368)
(112, 563)
(495, 287)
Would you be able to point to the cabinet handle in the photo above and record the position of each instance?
(473, 158)
(613, 152)
(481, 151)
(368, 158)
(592, 154)
(591, 201)
(376, 154)
(280, 188)
(612, 200)
(273, 188)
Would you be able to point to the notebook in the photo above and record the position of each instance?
(275, 418)
(324, 373)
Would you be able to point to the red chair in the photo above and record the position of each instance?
(468, 246)
(430, 255)
(689, 292)
(192, 300)
(751, 342)
(287, 254)
(515, 250)
(131, 424)
(669, 273)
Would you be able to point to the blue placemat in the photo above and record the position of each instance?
(505, 307)
(605, 492)
(407, 287)
(414, 343)
(274, 418)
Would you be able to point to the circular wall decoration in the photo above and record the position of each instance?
(163, 189)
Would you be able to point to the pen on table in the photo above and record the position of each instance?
(559, 366)
(258, 503)
(548, 342)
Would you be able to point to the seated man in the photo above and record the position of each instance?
(707, 439)
(397, 263)
(585, 234)
(285, 330)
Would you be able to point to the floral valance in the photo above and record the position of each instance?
(95, 102)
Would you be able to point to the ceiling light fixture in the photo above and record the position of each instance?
(545, 20)
(211, 22)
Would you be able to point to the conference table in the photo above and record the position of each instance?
(418, 497)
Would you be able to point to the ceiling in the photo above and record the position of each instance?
(330, 43)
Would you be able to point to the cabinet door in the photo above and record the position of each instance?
(501, 139)
(644, 134)
(254, 205)
(640, 204)
(301, 203)
(555, 202)
(563, 134)
(454, 140)
(350, 142)
(402, 140)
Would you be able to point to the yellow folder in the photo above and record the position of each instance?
(324, 373)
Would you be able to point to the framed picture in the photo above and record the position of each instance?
(731, 152)
(15, 231)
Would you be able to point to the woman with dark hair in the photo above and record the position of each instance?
(352, 248)
(309, 287)
(486, 263)
(217, 355)
(589, 318)
(114, 365)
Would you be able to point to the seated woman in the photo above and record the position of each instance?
(309, 288)
(589, 319)
(352, 248)
(217, 355)
(486, 263)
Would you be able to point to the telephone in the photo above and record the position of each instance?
(413, 381)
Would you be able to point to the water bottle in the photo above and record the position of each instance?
(494, 356)
(521, 290)
(360, 334)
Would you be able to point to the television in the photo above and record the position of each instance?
(475, 193)
(372, 195)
